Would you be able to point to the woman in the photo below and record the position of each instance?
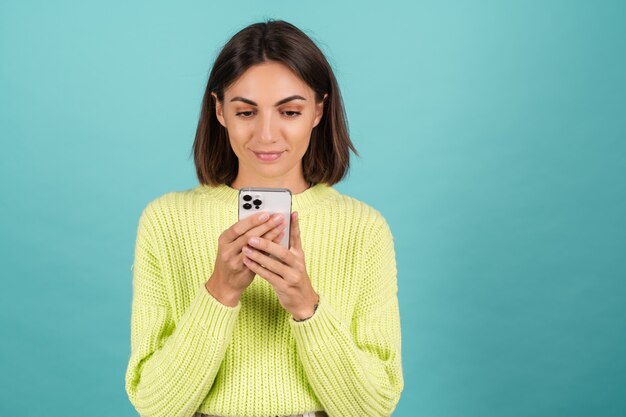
(218, 327)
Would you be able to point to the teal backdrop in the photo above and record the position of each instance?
(492, 138)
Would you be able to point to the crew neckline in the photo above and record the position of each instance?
(301, 202)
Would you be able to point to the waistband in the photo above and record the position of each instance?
(310, 414)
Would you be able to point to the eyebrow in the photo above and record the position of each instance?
(278, 103)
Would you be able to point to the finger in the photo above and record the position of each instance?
(294, 233)
(240, 260)
(272, 248)
(278, 238)
(275, 280)
(273, 233)
(242, 226)
(267, 262)
(275, 221)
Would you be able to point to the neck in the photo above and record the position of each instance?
(301, 202)
(296, 187)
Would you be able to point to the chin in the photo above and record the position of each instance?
(273, 172)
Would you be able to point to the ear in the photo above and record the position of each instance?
(319, 110)
(219, 113)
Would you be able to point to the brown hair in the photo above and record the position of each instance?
(328, 157)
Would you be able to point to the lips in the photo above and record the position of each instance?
(268, 156)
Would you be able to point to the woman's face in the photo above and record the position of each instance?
(269, 113)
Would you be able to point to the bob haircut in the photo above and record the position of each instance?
(327, 158)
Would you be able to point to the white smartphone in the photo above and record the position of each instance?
(271, 200)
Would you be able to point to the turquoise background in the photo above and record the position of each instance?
(492, 138)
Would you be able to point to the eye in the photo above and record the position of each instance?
(244, 114)
(291, 114)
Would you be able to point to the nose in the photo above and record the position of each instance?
(266, 128)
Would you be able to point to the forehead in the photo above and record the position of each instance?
(268, 82)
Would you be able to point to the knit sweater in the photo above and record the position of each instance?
(191, 353)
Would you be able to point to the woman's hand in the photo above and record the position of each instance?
(230, 276)
(287, 274)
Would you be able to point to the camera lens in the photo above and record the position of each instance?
(247, 206)
(247, 198)
(257, 202)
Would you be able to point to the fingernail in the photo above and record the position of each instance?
(254, 241)
(278, 218)
(247, 250)
(264, 217)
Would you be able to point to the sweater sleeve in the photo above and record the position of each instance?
(172, 365)
(355, 367)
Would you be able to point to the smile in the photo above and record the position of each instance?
(268, 157)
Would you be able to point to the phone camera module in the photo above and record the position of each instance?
(247, 206)
(247, 198)
(257, 202)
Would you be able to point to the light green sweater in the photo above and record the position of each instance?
(191, 353)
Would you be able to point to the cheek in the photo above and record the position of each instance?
(237, 140)
(299, 139)
(298, 129)
(238, 131)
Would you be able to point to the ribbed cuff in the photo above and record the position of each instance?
(209, 315)
(321, 327)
